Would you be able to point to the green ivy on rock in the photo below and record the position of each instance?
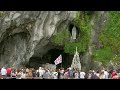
(82, 21)
(110, 38)
(61, 37)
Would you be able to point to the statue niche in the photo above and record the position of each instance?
(74, 32)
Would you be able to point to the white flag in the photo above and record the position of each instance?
(58, 60)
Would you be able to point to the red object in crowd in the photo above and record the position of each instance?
(113, 74)
(9, 70)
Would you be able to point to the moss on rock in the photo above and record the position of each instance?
(110, 39)
(82, 21)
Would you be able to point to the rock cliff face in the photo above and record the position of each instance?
(27, 33)
(98, 23)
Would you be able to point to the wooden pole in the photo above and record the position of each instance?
(61, 65)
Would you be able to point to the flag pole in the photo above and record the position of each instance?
(61, 65)
(58, 60)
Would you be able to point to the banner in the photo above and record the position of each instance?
(58, 60)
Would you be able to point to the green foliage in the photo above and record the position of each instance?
(103, 54)
(61, 37)
(71, 47)
(82, 21)
(110, 38)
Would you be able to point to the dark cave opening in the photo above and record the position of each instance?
(52, 54)
(55, 53)
(50, 57)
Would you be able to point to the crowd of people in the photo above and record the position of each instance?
(69, 73)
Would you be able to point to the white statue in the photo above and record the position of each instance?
(74, 32)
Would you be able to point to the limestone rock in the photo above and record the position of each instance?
(23, 32)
